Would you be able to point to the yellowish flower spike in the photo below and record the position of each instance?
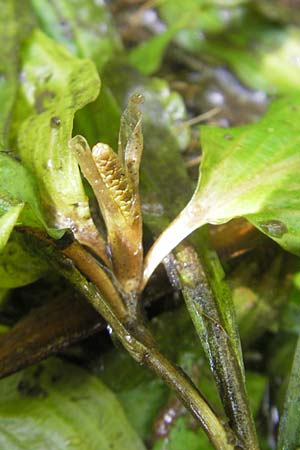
(114, 179)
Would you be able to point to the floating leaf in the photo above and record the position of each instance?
(60, 406)
(250, 171)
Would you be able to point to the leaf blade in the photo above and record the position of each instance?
(249, 171)
(46, 406)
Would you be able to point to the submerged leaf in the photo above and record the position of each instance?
(250, 171)
(58, 406)
(55, 85)
(18, 265)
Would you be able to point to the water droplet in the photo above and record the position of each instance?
(128, 338)
(274, 228)
(109, 330)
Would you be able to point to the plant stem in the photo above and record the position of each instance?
(139, 343)
(209, 304)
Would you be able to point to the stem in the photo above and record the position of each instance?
(139, 343)
(142, 350)
(209, 304)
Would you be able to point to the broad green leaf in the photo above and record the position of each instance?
(59, 406)
(54, 86)
(18, 265)
(148, 55)
(84, 27)
(7, 223)
(289, 431)
(250, 171)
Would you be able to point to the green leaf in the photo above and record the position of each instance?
(147, 56)
(18, 186)
(250, 171)
(7, 223)
(19, 266)
(8, 68)
(15, 23)
(60, 406)
(54, 86)
(289, 431)
(84, 27)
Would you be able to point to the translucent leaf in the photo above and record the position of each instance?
(60, 406)
(250, 171)
(55, 85)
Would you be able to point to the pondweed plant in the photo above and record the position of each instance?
(47, 221)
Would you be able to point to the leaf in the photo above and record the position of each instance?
(55, 85)
(15, 23)
(58, 406)
(250, 171)
(84, 28)
(264, 56)
(7, 223)
(18, 265)
(8, 69)
(289, 430)
(147, 56)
